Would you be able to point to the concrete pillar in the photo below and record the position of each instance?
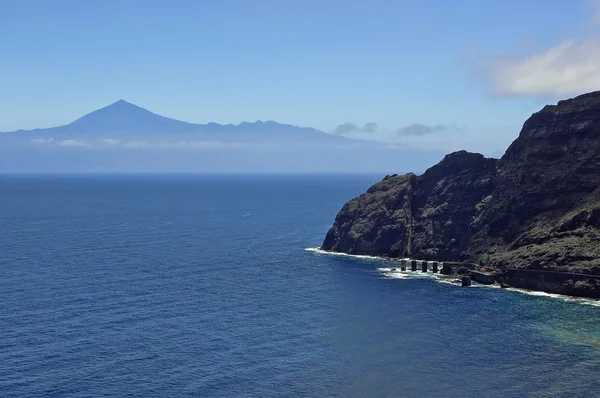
(424, 266)
(413, 265)
(434, 265)
(402, 265)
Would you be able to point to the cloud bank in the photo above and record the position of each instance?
(568, 68)
(350, 128)
(105, 143)
(418, 129)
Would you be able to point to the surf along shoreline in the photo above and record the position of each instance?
(563, 285)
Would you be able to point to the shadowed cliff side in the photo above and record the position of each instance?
(425, 216)
(538, 207)
(545, 211)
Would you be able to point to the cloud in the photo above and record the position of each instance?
(112, 143)
(569, 68)
(370, 127)
(73, 143)
(346, 128)
(418, 129)
(349, 128)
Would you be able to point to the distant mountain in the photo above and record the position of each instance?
(123, 117)
(126, 137)
(125, 121)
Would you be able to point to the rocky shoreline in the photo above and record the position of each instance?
(532, 216)
(553, 282)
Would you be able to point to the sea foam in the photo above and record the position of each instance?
(395, 273)
(318, 250)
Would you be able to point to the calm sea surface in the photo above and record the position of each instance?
(188, 285)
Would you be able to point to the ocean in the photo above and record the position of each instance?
(202, 286)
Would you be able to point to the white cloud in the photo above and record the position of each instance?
(104, 143)
(73, 143)
(568, 68)
(111, 141)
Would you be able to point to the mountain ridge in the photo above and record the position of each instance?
(123, 117)
(124, 137)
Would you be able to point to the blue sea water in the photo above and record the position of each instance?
(200, 285)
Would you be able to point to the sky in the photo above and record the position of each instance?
(461, 74)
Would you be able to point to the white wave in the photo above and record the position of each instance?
(395, 273)
(592, 302)
(450, 281)
(536, 293)
(567, 299)
(493, 286)
(318, 250)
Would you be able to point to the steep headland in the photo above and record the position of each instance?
(425, 216)
(533, 215)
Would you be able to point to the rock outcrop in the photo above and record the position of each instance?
(425, 217)
(545, 207)
(536, 208)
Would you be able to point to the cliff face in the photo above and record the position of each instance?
(538, 207)
(545, 208)
(425, 216)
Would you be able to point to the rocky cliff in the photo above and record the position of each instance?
(425, 217)
(536, 208)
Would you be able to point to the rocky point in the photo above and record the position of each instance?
(532, 214)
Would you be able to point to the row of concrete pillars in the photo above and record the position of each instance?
(414, 265)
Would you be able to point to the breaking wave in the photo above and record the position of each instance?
(396, 273)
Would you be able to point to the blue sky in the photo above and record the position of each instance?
(444, 74)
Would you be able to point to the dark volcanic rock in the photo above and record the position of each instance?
(545, 208)
(425, 217)
(537, 208)
(377, 222)
(555, 282)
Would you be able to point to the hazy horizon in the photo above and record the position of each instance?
(370, 71)
(123, 137)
